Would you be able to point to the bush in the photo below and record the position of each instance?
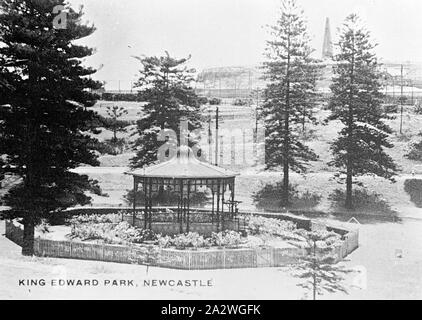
(131, 97)
(117, 145)
(271, 227)
(124, 232)
(391, 108)
(202, 100)
(214, 101)
(96, 218)
(117, 233)
(413, 187)
(104, 148)
(415, 152)
(331, 239)
(269, 198)
(148, 235)
(112, 146)
(362, 200)
(89, 231)
(227, 239)
(418, 107)
(240, 102)
(164, 241)
(44, 226)
(189, 240)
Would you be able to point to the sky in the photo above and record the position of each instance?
(232, 32)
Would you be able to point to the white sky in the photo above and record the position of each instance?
(232, 32)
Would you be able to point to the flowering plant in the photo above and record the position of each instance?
(189, 240)
(272, 227)
(229, 239)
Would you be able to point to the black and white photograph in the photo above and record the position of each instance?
(210, 150)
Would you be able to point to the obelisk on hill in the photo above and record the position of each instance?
(327, 48)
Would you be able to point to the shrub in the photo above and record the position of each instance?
(44, 226)
(202, 100)
(108, 96)
(189, 240)
(106, 228)
(103, 148)
(240, 102)
(227, 239)
(271, 227)
(88, 231)
(415, 152)
(330, 238)
(164, 241)
(214, 101)
(362, 200)
(391, 108)
(269, 198)
(148, 235)
(96, 218)
(116, 146)
(413, 187)
(111, 146)
(418, 108)
(124, 231)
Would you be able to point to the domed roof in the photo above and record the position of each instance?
(184, 165)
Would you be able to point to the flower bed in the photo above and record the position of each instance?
(261, 231)
(226, 239)
(111, 230)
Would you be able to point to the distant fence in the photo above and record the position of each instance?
(183, 259)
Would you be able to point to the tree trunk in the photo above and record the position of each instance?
(285, 194)
(349, 179)
(287, 132)
(28, 236)
(349, 184)
(314, 291)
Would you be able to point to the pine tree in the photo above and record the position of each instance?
(318, 268)
(356, 102)
(45, 96)
(291, 73)
(116, 125)
(165, 86)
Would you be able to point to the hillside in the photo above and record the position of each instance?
(252, 178)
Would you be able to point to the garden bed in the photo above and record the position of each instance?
(270, 242)
(97, 234)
